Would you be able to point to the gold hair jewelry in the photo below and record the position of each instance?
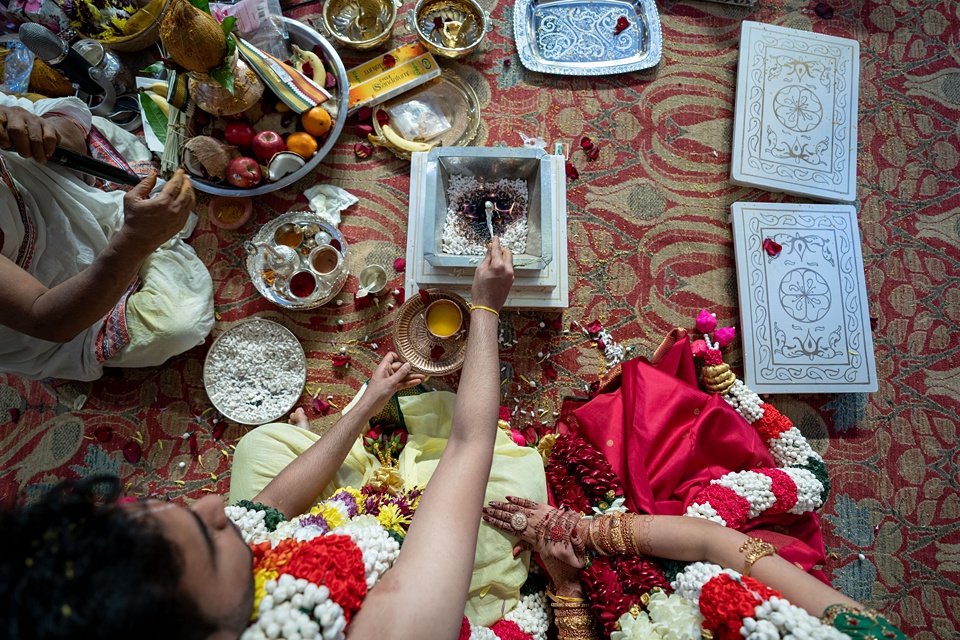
(480, 306)
(754, 549)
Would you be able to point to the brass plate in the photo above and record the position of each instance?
(413, 342)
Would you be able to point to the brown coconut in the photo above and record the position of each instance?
(193, 38)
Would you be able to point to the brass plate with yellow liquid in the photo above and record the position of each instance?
(413, 342)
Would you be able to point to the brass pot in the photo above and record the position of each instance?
(213, 98)
(360, 24)
(464, 26)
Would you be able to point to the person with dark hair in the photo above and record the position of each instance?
(79, 564)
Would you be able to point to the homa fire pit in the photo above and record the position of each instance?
(471, 191)
(451, 186)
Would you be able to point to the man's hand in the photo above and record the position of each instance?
(389, 377)
(149, 222)
(29, 135)
(494, 277)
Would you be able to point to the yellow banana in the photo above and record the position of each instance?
(161, 102)
(301, 58)
(159, 88)
(402, 143)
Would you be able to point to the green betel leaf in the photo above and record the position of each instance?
(223, 74)
(155, 117)
(231, 46)
(227, 24)
(156, 67)
(203, 5)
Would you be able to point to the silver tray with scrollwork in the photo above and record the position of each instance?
(261, 276)
(578, 37)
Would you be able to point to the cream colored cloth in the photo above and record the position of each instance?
(70, 223)
(518, 471)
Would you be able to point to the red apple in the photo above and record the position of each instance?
(266, 144)
(239, 134)
(243, 172)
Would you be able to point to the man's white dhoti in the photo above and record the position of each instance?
(53, 227)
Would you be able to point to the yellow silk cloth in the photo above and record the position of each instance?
(517, 471)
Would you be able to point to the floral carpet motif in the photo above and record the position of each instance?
(650, 245)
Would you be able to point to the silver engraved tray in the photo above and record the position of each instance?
(576, 37)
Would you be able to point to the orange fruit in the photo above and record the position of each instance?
(303, 144)
(316, 121)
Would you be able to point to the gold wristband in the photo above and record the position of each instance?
(754, 549)
(616, 534)
(480, 306)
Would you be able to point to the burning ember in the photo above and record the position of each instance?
(479, 210)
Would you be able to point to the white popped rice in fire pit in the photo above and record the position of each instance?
(460, 237)
(255, 372)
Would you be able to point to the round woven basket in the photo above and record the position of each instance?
(140, 40)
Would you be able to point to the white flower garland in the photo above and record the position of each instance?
(280, 613)
(533, 615)
(773, 619)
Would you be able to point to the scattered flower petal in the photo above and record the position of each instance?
(321, 406)
(824, 10)
(550, 370)
(363, 150)
(363, 130)
(14, 414)
(725, 335)
(586, 143)
(194, 448)
(622, 23)
(594, 327)
(339, 361)
(573, 326)
(505, 414)
(601, 344)
(506, 62)
(103, 434)
(382, 117)
(364, 113)
(424, 296)
(874, 323)
(132, 452)
(593, 153)
(330, 81)
(531, 436)
(437, 352)
(219, 430)
(706, 322)
(389, 61)
(772, 248)
(572, 173)
(400, 265)
(518, 438)
(400, 294)
(594, 388)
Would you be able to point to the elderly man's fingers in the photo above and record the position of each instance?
(51, 138)
(142, 190)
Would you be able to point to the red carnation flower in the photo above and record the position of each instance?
(400, 265)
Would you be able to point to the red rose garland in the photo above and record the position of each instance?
(578, 475)
(614, 583)
(725, 602)
(330, 560)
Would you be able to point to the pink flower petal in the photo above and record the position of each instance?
(389, 61)
(437, 352)
(586, 143)
(103, 434)
(824, 10)
(424, 296)
(504, 414)
(362, 150)
(321, 406)
(593, 153)
(194, 448)
(364, 113)
(339, 360)
(622, 23)
(382, 117)
(132, 452)
(219, 430)
(363, 130)
(594, 327)
(706, 322)
(400, 265)
(772, 248)
(518, 438)
(725, 335)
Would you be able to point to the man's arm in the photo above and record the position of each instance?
(298, 485)
(61, 313)
(425, 592)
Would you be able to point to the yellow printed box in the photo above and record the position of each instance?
(400, 78)
(375, 67)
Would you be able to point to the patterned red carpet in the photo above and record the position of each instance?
(649, 246)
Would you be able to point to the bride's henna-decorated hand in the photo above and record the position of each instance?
(548, 531)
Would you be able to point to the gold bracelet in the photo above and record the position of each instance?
(555, 598)
(631, 534)
(480, 306)
(616, 534)
(754, 549)
(608, 549)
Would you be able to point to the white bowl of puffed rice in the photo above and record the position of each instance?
(255, 372)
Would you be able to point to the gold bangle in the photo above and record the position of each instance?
(616, 534)
(754, 549)
(480, 306)
(607, 548)
(631, 534)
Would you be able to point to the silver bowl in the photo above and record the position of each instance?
(305, 38)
